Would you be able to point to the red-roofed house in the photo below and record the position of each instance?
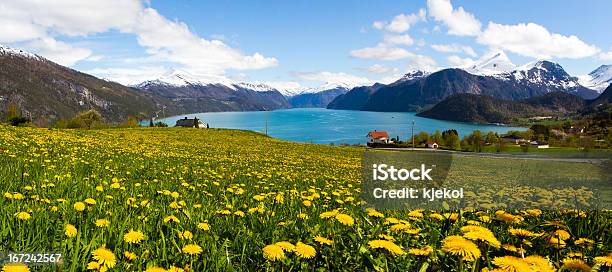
(378, 137)
(432, 144)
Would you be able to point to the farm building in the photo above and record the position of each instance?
(192, 123)
(377, 137)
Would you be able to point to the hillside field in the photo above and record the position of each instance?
(168, 199)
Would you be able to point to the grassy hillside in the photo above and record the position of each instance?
(222, 200)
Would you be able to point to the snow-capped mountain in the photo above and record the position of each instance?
(491, 64)
(544, 73)
(5, 50)
(179, 78)
(412, 75)
(597, 80)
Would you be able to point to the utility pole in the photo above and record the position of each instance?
(412, 133)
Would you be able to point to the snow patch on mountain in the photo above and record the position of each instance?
(412, 75)
(5, 50)
(179, 78)
(597, 80)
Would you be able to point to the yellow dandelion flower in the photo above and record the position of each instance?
(575, 265)
(305, 251)
(133, 237)
(581, 241)
(93, 266)
(70, 230)
(90, 201)
(102, 223)
(511, 264)
(562, 234)
(79, 206)
(478, 233)
(186, 235)
(459, 246)
(175, 269)
(375, 213)
(273, 253)
(130, 255)
(192, 249)
(345, 219)
(556, 242)
(387, 245)
(307, 203)
(287, 246)
(424, 251)
(604, 260)
(436, 216)
(323, 241)
(105, 257)
(521, 232)
(302, 216)
(172, 219)
(329, 214)
(15, 267)
(204, 226)
(539, 263)
(24, 216)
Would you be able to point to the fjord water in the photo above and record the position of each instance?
(324, 126)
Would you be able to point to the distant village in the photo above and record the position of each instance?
(536, 137)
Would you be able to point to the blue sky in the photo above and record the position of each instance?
(305, 43)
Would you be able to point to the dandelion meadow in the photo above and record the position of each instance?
(162, 199)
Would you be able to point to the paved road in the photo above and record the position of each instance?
(547, 157)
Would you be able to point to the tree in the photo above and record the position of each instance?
(421, 138)
(448, 135)
(437, 137)
(453, 142)
(87, 119)
(476, 141)
(491, 137)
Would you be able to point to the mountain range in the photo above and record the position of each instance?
(494, 75)
(47, 91)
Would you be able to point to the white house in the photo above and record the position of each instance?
(377, 137)
(537, 144)
(432, 144)
(193, 123)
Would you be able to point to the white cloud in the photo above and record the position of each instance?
(458, 21)
(330, 77)
(57, 51)
(381, 69)
(381, 51)
(533, 40)
(454, 48)
(174, 42)
(398, 39)
(40, 24)
(378, 25)
(605, 56)
(421, 62)
(400, 23)
(129, 76)
(456, 61)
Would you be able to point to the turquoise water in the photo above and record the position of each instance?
(332, 126)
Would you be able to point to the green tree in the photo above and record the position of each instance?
(476, 141)
(491, 138)
(87, 119)
(453, 141)
(437, 137)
